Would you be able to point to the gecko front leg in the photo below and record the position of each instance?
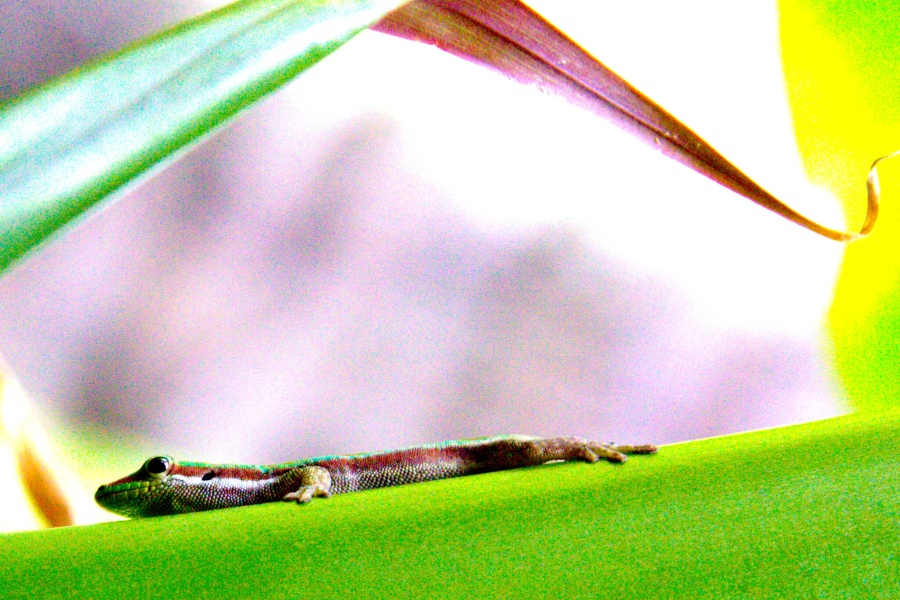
(314, 482)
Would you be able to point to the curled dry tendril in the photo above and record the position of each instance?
(509, 37)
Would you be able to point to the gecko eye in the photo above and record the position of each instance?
(208, 475)
(158, 465)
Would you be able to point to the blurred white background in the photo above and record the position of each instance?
(401, 247)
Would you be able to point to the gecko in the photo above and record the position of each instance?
(164, 486)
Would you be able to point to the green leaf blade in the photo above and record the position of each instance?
(69, 144)
(803, 511)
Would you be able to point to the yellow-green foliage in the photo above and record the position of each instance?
(840, 61)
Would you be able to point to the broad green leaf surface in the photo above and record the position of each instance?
(68, 144)
(804, 511)
(840, 62)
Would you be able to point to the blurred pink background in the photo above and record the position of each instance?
(402, 248)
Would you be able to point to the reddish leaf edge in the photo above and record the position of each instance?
(509, 37)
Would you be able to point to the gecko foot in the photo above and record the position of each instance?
(315, 482)
(306, 493)
(617, 454)
(643, 449)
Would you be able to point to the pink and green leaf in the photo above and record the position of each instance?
(72, 142)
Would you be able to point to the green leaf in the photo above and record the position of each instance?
(810, 511)
(67, 145)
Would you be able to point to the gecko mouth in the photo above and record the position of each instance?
(125, 499)
(109, 496)
(105, 491)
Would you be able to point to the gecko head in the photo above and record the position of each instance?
(139, 494)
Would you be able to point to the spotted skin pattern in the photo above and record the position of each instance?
(163, 486)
